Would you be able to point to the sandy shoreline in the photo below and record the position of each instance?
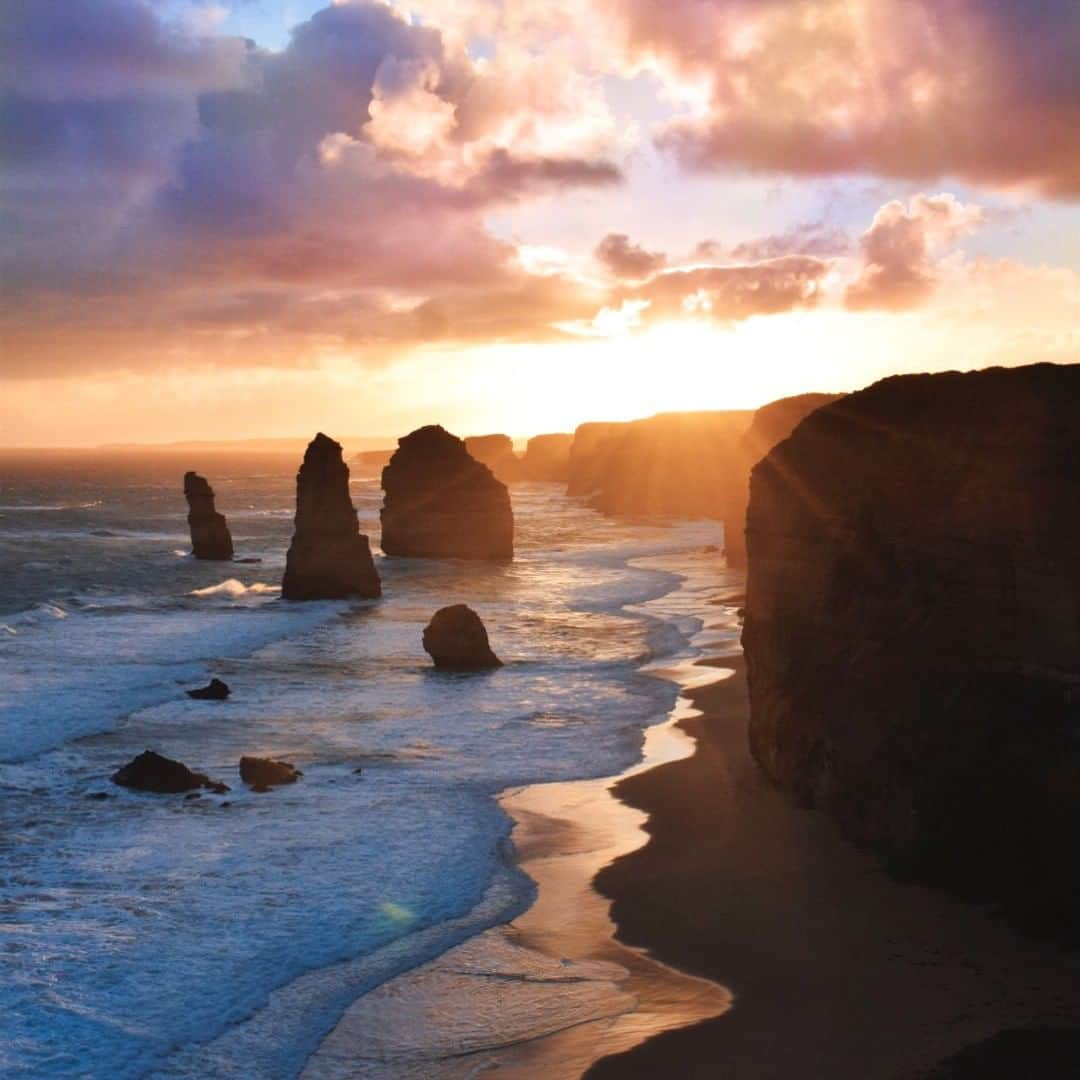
(689, 922)
(837, 971)
(552, 992)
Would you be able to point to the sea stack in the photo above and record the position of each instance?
(912, 629)
(442, 504)
(456, 640)
(329, 558)
(210, 537)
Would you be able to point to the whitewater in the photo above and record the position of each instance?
(149, 935)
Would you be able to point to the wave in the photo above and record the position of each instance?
(235, 589)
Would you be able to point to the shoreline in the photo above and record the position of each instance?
(551, 992)
(836, 969)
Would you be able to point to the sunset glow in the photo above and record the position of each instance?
(274, 217)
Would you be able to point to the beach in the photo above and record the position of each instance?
(691, 922)
(836, 970)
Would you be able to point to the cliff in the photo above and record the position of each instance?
(547, 457)
(670, 465)
(771, 424)
(328, 558)
(497, 453)
(441, 503)
(589, 455)
(912, 628)
(210, 537)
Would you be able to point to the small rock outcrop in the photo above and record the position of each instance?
(912, 629)
(214, 690)
(210, 537)
(262, 774)
(547, 458)
(440, 503)
(456, 640)
(153, 772)
(329, 558)
(497, 453)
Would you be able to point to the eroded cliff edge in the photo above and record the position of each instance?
(912, 628)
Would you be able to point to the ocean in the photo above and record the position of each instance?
(223, 936)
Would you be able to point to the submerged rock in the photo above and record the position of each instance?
(261, 774)
(442, 504)
(912, 628)
(152, 772)
(210, 538)
(456, 640)
(328, 558)
(214, 690)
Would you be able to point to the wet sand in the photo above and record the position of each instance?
(837, 971)
(552, 992)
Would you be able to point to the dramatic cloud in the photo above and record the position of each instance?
(899, 250)
(176, 198)
(627, 260)
(730, 293)
(986, 90)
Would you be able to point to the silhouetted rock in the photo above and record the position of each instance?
(328, 558)
(214, 690)
(674, 465)
(912, 628)
(210, 537)
(456, 640)
(261, 774)
(770, 425)
(442, 504)
(497, 453)
(547, 457)
(152, 772)
(589, 455)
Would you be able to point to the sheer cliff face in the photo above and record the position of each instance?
(328, 558)
(497, 453)
(670, 465)
(771, 424)
(547, 457)
(912, 628)
(442, 504)
(210, 537)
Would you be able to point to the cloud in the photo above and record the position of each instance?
(173, 197)
(731, 293)
(984, 90)
(627, 260)
(806, 238)
(899, 268)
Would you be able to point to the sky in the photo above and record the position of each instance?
(255, 218)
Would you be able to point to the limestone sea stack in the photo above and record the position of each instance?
(210, 538)
(456, 640)
(329, 558)
(912, 628)
(442, 504)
